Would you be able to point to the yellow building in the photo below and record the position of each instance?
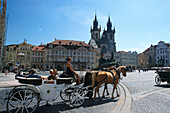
(18, 55)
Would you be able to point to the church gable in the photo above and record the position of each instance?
(82, 49)
(59, 48)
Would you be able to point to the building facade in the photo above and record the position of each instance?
(83, 55)
(38, 57)
(162, 54)
(129, 58)
(143, 60)
(23, 53)
(3, 8)
(10, 55)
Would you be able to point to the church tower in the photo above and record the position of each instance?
(95, 31)
(110, 36)
(3, 8)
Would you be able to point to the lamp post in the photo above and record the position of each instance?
(21, 55)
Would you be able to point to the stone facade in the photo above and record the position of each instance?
(129, 58)
(106, 42)
(83, 55)
(19, 53)
(3, 8)
(162, 55)
(38, 57)
(10, 55)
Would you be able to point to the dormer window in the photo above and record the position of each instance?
(50, 45)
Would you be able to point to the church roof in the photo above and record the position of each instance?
(93, 43)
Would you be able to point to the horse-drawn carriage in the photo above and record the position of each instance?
(27, 96)
(163, 75)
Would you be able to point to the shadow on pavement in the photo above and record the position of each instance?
(60, 106)
(163, 85)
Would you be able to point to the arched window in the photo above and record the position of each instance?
(103, 51)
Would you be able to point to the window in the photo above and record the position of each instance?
(50, 45)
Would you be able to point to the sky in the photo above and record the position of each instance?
(138, 23)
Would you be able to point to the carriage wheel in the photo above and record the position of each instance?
(22, 101)
(64, 94)
(77, 97)
(157, 80)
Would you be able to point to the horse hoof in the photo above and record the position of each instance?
(112, 97)
(118, 95)
(107, 93)
(103, 96)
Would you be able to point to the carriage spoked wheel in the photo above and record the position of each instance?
(65, 93)
(22, 101)
(157, 80)
(77, 97)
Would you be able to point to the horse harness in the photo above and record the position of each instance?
(114, 78)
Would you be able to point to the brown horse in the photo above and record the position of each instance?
(108, 78)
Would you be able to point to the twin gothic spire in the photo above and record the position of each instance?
(95, 24)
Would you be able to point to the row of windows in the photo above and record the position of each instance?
(162, 57)
(24, 48)
(129, 55)
(162, 61)
(37, 60)
(71, 52)
(128, 59)
(37, 53)
(159, 52)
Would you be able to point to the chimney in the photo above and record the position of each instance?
(55, 39)
(41, 43)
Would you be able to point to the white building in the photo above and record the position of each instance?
(83, 55)
(129, 58)
(162, 54)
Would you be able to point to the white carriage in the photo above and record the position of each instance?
(26, 98)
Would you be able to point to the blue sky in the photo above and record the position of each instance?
(138, 23)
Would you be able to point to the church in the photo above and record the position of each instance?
(104, 41)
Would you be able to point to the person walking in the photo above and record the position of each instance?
(6, 72)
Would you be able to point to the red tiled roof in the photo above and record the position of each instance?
(168, 44)
(38, 48)
(69, 42)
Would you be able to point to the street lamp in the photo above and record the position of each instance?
(21, 55)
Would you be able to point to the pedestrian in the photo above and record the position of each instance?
(6, 71)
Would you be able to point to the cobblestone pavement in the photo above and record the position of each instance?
(89, 106)
(147, 97)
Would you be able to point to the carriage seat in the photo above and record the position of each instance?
(29, 80)
(64, 80)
